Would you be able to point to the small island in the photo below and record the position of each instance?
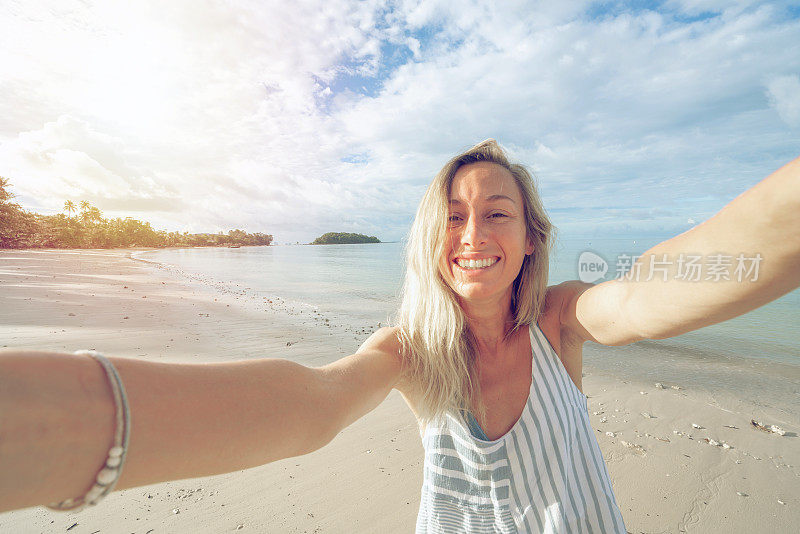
(341, 238)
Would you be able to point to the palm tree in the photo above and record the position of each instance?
(69, 207)
(5, 194)
(86, 207)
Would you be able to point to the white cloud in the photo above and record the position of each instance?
(67, 158)
(784, 96)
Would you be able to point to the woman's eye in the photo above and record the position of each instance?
(453, 218)
(498, 214)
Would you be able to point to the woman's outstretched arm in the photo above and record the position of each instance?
(745, 256)
(188, 420)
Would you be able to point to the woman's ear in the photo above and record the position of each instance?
(528, 246)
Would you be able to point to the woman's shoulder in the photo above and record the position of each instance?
(386, 342)
(551, 320)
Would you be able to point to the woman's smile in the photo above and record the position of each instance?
(476, 264)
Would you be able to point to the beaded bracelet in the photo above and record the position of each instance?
(109, 475)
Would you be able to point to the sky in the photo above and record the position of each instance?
(299, 118)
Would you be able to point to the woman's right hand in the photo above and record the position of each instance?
(187, 420)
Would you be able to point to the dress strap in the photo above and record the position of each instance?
(474, 427)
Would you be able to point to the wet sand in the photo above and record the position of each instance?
(666, 476)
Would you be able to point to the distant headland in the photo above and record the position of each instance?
(341, 238)
(88, 228)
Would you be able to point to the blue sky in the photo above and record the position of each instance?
(642, 117)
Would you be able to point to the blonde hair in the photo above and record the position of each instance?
(439, 350)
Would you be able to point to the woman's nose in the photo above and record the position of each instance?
(473, 234)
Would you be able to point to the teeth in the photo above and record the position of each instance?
(476, 264)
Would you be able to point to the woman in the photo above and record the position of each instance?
(487, 357)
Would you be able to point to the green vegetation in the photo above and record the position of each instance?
(340, 238)
(88, 229)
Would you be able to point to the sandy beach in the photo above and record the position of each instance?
(680, 460)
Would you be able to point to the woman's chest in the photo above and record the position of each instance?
(505, 387)
(506, 392)
(503, 405)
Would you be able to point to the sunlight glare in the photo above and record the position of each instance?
(129, 87)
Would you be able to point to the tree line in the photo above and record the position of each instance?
(83, 226)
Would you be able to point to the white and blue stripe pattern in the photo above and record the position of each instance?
(546, 474)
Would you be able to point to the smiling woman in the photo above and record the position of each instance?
(487, 356)
(473, 297)
(479, 208)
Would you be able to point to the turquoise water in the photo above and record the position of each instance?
(757, 355)
(363, 282)
(360, 282)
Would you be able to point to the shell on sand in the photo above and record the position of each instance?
(772, 429)
(638, 449)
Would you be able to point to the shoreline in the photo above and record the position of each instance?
(370, 476)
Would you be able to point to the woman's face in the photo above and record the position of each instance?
(486, 236)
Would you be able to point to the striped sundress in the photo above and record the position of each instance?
(546, 474)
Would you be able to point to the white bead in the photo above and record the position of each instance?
(113, 461)
(93, 493)
(106, 476)
(115, 451)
